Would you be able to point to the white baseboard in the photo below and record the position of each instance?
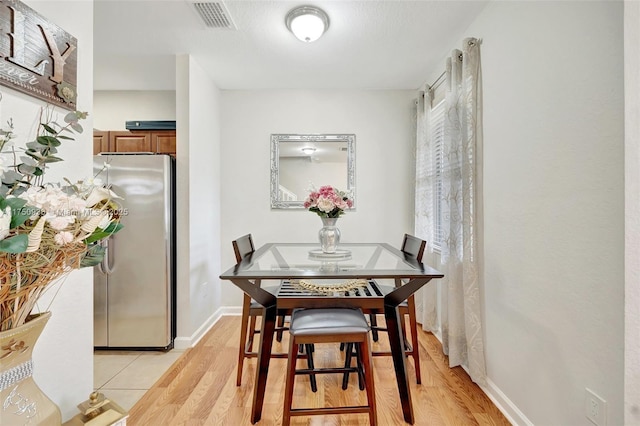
(499, 399)
(232, 310)
(505, 405)
(182, 343)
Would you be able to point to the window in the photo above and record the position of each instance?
(436, 134)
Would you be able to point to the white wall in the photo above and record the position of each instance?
(382, 123)
(63, 356)
(204, 204)
(553, 197)
(632, 207)
(113, 108)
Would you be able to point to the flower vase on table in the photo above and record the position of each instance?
(329, 235)
(329, 203)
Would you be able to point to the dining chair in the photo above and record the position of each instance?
(329, 325)
(251, 310)
(412, 247)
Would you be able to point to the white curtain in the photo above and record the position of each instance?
(453, 307)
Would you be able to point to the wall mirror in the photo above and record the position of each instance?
(301, 161)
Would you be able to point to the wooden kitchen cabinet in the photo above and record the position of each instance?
(164, 142)
(156, 141)
(125, 141)
(100, 142)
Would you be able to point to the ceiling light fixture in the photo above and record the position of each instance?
(307, 23)
(308, 150)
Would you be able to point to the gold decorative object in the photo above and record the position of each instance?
(22, 402)
(331, 288)
(99, 411)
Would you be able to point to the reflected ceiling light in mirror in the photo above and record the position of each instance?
(308, 150)
(307, 23)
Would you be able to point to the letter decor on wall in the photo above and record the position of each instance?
(36, 56)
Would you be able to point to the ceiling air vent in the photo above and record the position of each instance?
(214, 14)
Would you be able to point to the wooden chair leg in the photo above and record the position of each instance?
(252, 333)
(290, 380)
(361, 379)
(244, 322)
(312, 377)
(347, 363)
(373, 320)
(279, 324)
(367, 362)
(352, 349)
(415, 349)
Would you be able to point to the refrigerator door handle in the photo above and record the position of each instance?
(106, 266)
(101, 267)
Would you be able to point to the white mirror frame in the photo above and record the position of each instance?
(277, 139)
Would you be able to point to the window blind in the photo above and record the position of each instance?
(436, 135)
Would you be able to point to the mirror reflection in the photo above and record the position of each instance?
(299, 162)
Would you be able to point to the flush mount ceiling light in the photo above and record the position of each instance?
(308, 150)
(307, 23)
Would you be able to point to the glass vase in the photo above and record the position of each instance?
(22, 402)
(329, 235)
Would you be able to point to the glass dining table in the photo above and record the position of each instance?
(302, 269)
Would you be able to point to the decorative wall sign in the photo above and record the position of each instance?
(36, 56)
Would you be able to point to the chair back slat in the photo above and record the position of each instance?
(242, 247)
(413, 246)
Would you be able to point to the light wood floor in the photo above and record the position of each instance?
(200, 389)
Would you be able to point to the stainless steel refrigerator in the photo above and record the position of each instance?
(134, 286)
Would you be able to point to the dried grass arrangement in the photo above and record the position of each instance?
(46, 229)
(24, 277)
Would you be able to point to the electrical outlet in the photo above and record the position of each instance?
(595, 408)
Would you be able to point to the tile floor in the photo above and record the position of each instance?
(125, 376)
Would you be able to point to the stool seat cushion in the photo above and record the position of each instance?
(319, 322)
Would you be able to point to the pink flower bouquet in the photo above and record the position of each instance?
(328, 202)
